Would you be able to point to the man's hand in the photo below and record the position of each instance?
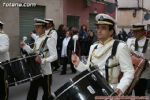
(22, 44)
(118, 92)
(38, 59)
(75, 59)
(30, 34)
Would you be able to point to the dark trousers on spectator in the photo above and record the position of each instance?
(148, 86)
(55, 65)
(65, 61)
(140, 87)
(45, 82)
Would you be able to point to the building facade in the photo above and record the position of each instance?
(19, 20)
(130, 12)
(78, 12)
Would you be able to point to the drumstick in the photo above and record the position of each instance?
(75, 38)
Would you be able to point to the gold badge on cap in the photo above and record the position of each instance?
(101, 18)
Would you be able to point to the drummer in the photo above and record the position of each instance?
(4, 55)
(140, 45)
(102, 49)
(45, 60)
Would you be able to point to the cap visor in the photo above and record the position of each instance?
(39, 24)
(104, 23)
(137, 29)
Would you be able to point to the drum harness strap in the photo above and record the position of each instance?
(44, 43)
(144, 47)
(113, 53)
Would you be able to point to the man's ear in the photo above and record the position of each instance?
(111, 32)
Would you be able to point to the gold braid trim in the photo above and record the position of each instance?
(95, 55)
(41, 44)
(108, 45)
(34, 48)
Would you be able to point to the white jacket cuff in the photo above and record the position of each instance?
(43, 61)
(27, 48)
(81, 67)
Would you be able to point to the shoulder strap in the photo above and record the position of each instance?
(114, 48)
(44, 42)
(91, 55)
(145, 46)
(136, 45)
(113, 53)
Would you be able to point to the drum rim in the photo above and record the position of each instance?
(18, 59)
(26, 79)
(76, 82)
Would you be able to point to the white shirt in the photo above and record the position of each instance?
(50, 56)
(64, 46)
(99, 57)
(4, 47)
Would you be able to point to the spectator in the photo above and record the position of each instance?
(61, 35)
(67, 48)
(123, 35)
(130, 34)
(91, 38)
(83, 39)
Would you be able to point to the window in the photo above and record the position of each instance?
(27, 16)
(73, 21)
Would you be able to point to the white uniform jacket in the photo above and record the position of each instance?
(49, 56)
(4, 47)
(122, 57)
(146, 55)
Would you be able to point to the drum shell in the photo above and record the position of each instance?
(84, 86)
(137, 61)
(21, 69)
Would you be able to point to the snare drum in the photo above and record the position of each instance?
(85, 86)
(22, 69)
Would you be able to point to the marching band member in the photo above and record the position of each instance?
(101, 51)
(4, 45)
(45, 61)
(4, 55)
(140, 45)
(50, 29)
(66, 52)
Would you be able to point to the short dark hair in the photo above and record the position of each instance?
(111, 27)
(44, 25)
(52, 23)
(1, 26)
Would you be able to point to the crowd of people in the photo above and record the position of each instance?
(65, 45)
(92, 49)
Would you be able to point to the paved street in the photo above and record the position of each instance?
(20, 92)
